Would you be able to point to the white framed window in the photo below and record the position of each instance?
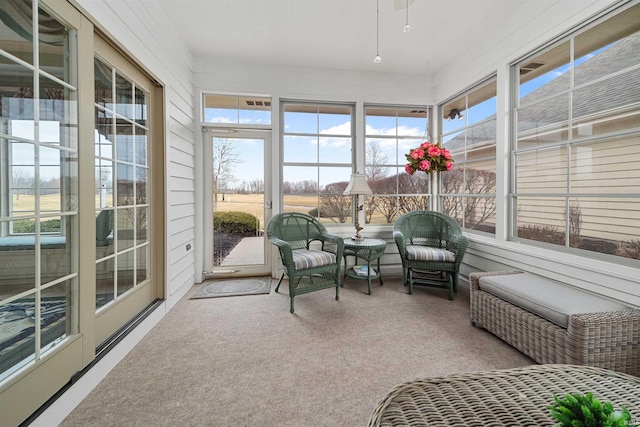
(317, 153)
(576, 140)
(468, 124)
(390, 132)
(237, 109)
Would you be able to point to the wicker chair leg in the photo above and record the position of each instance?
(455, 281)
(291, 308)
(410, 281)
(451, 286)
(279, 281)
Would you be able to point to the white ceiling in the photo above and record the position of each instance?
(342, 33)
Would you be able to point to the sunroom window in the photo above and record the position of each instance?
(317, 141)
(576, 143)
(468, 124)
(390, 132)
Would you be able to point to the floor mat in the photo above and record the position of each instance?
(233, 287)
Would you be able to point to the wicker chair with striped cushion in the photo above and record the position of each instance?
(432, 245)
(310, 255)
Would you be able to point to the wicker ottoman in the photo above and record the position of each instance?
(608, 339)
(507, 397)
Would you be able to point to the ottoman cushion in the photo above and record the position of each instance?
(547, 298)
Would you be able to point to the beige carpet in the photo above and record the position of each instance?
(247, 361)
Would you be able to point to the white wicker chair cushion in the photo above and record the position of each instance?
(309, 258)
(428, 253)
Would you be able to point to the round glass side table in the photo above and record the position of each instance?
(369, 249)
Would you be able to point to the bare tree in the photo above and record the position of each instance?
(474, 211)
(22, 182)
(374, 169)
(224, 158)
(376, 173)
(333, 204)
(386, 202)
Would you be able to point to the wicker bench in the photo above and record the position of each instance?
(548, 324)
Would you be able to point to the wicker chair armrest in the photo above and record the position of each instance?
(332, 243)
(398, 236)
(474, 278)
(286, 251)
(458, 243)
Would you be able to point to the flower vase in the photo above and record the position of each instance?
(434, 183)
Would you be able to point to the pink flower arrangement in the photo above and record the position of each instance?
(428, 158)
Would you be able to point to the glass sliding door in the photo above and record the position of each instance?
(38, 187)
(123, 201)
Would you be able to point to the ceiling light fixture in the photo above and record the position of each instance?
(377, 59)
(407, 27)
(453, 114)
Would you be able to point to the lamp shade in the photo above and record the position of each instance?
(358, 185)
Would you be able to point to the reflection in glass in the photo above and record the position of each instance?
(104, 183)
(104, 233)
(17, 340)
(14, 39)
(124, 97)
(55, 306)
(18, 255)
(124, 182)
(142, 264)
(55, 249)
(103, 137)
(53, 45)
(142, 225)
(140, 108)
(126, 278)
(141, 141)
(55, 106)
(141, 186)
(124, 141)
(105, 280)
(103, 84)
(125, 231)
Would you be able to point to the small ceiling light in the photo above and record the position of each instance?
(453, 114)
(407, 27)
(378, 58)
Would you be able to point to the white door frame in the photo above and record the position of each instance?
(207, 150)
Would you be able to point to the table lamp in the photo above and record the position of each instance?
(358, 186)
